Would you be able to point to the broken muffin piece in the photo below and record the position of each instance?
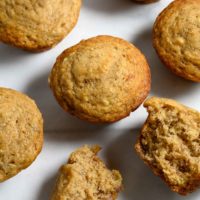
(170, 143)
(85, 176)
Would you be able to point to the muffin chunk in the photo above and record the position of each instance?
(176, 38)
(37, 25)
(170, 143)
(85, 176)
(21, 132)
(101, 79)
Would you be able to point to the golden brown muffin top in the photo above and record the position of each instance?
(170, 143)
(85, 176)
(101, 79)
(21, 132)
(37, 24)
(176, 38)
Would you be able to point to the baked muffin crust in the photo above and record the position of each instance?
(176, 38)
(21, 132)
(101, 79)
(37, 25)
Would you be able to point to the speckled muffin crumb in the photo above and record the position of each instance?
(85, 176)
(37, 25)
(176, 38)
(21, 132)
(101, 79)
(170, 143)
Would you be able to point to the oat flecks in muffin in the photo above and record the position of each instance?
(37, 25)
(176, 38)
(85, 176)
(170, 143)
(101, 79)
(21, 132)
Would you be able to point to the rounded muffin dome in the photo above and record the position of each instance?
(21, 132)
(37, 25)
(176, 38)
(101, 79)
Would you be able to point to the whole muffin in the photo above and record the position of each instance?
(37, 25)
(170, 143)
(85, 176)
(101, 79)
(176, 38)
(21, 132)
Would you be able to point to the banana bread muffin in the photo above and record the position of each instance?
(21, 132)
(37, 25)
(170, 143)
(101, 79)
(176, 38)
(86, 177)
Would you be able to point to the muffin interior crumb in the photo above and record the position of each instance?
(170, 142)
(86, 177)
